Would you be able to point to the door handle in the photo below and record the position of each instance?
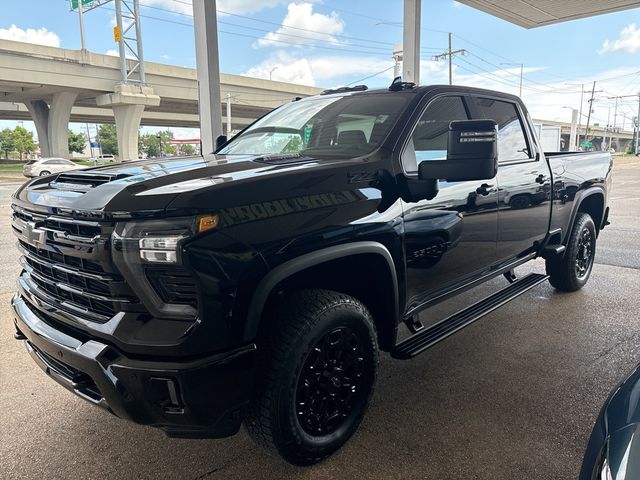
(541, 178)
(484, 189)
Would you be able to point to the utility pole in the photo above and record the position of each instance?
(615, 115)
(228, 115)
(450, 54)
(637, 125)
(593, 91)
(521, 65)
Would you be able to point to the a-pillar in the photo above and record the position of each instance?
(128, 103)
(52, 123)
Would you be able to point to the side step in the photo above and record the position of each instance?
(428, 337)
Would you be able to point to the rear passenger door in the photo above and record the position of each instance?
(450, 239)
(524, 180)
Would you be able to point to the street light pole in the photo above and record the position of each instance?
(272, 70)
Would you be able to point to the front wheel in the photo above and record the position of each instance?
(44, 173)
(571, 272)
(317, 374)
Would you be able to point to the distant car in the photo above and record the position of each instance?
(47, 166)
(613, 451)
(104, 158)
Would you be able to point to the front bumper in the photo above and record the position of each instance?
(197, 398)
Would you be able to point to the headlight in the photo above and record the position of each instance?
(143, 249)
(160, 249)
(160, 241)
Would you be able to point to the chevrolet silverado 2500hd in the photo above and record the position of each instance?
(257, 284)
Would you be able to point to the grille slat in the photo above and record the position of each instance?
(67, 265)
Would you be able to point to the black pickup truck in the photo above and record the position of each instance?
(257, 284)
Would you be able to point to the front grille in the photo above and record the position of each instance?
(67, 265)
(174, 285)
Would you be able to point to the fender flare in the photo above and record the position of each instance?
(312, 259)
(581, 195)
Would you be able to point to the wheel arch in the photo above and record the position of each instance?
(363, 257)
(591, 201)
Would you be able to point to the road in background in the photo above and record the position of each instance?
(513, 396)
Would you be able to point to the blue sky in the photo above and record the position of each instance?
(357, 39)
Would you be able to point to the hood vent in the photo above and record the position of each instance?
(83, 182)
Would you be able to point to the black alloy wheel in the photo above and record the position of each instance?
(330, 382)
(584, 255)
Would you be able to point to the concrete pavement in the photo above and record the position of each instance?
(513, 396)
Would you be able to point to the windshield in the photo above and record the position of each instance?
(350, 125)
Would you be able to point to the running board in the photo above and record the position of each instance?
(428, 337)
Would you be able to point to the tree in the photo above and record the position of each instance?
(187, 149)
(7, 143)
(157, 144)
(23, 140)
(77, 142)
(108, 138)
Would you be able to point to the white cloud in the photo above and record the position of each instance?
(231, 6)
(628, 41)
(40, 36)
(322, 70)
(301, 25)
(112, 52)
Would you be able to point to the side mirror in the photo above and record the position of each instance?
(472, 153)
(220, 142)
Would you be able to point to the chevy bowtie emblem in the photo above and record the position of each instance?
(35, 235)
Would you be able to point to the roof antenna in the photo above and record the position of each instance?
(398, 85)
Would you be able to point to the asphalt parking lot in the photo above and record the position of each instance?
(513, 396)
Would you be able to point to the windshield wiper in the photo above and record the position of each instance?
(278, 158)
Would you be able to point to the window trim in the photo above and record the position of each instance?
(534, 154)
(465, 99)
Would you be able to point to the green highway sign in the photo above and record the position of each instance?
(586, 144)
(74, 3)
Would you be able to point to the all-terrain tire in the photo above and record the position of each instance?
(319, 350)
(571, 271)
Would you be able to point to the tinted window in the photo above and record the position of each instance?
(512, 142)
(347, 126)
(429, 139)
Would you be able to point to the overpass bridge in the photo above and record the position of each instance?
(620, 140)
(53, 86)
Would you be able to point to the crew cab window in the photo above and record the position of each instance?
(429, 138)
(512, 141)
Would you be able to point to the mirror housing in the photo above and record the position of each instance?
(220, 142)
(472, 153)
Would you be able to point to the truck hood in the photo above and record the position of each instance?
(147, 186)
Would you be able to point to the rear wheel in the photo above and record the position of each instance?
(571, 272)
(316, 377)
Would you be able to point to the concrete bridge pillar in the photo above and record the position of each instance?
(52, 123)
(128, 103)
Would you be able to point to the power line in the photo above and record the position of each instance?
(372, 75)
